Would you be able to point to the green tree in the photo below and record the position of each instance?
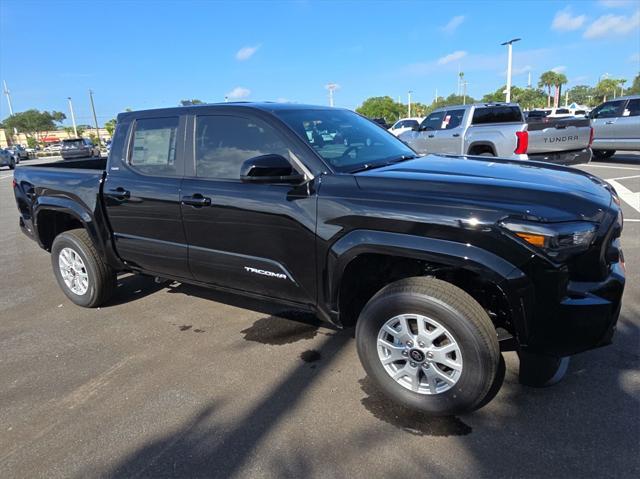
(634, 89)
(33, 122)
(110, 126)
(582, 94)
(382, 107)
(195, 101)
(547, 80)
(606, 88)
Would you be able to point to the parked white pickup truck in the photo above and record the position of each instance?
(500, 129)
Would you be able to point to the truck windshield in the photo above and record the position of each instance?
(344, 139)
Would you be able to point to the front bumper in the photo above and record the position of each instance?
(573, 157)
(584, 318)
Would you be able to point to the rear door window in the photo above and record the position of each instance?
(497, 114)
(153, 149)
(453, 119)
(610, 109)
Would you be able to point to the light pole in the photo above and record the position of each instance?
(95, 118)
(409, 104)
(8, 94)
(509, 62)
(73, 118)
(331, 87)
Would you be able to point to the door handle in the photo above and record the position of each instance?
(196, 200)
(431, 136)
(119, 193)
(610, 122)
(456, 135)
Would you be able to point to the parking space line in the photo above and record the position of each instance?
(625, 177)
(8, 176)
(589, 165)
(626, 195)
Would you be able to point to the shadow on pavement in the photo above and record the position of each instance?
(586, 426)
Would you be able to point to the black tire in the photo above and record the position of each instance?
(12, 164)
(540, 371)
(102, 278)
(603, 154)
(456, 311)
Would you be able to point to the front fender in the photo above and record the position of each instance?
(512, 281)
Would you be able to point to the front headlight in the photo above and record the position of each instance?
(558, 240)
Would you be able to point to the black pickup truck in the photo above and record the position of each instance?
(440, 262)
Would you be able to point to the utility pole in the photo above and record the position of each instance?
(435, 100)
(529, 81)
(464, 92)
(409, 104)
(331, 87)
(73, 118)
(459, 79)
(95, 118)
(566, 98)
(509, 64)
(8, 94)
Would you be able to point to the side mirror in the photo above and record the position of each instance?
(270, 168)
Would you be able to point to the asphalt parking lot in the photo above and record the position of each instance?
(178, 381)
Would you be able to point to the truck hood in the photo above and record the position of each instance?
(534, 190)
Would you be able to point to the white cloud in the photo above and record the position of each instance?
(564, 21)
(615, 3)
(559, 69)
(453, 24)
(246, 52)
(452, 57)
(238, 93)
(611, 25)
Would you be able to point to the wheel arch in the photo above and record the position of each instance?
(480, 147)
(364, 261)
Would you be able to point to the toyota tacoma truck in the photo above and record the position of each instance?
(440, 262)
(500, 129)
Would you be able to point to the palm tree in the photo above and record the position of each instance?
(561, 79)
(547, 79)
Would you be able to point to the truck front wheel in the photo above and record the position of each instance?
(429, 346)
(81, 274)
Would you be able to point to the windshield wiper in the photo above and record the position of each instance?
(371, 166)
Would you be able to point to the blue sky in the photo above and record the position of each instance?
(145, 54)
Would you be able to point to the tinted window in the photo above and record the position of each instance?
(73, 143)
(633, 108)
(153, 150)
(433, 121)
(343, 138)
(497, 114)
(453, 119)
(610, 109)
(410, 123)
(223, 143)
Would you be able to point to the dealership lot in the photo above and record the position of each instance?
(175, 380)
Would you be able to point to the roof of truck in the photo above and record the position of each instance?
(264, 106)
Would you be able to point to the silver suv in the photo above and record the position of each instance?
(616, 126)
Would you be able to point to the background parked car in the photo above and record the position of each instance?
(55, 147)
(616, 126)
(405, 124)
(79, 148)
(19, 152)
(7, 159)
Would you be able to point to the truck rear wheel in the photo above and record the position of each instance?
(603, 154)
(429, 346)
(81, 274)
